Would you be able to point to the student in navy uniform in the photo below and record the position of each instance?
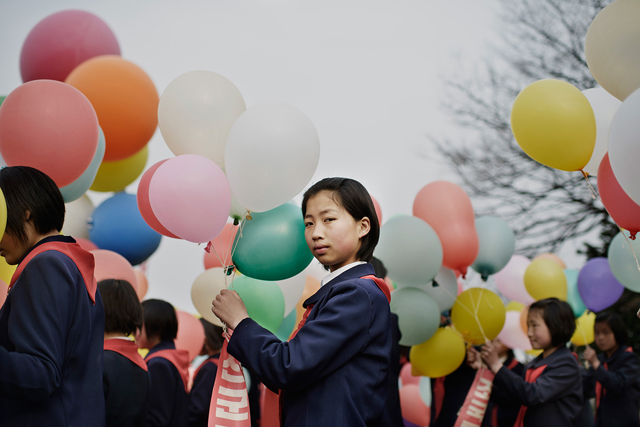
(448, 395)
(168, 367)
(551, 391)
(205, 376)
(334, 371)
(614, 374)
(52, 322)
(126, 380)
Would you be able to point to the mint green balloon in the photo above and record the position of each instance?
(286, 328)
(497, 243)
(272, 246)
(623, 264)
(263, 299)
(418, 315)
(2, 98)
(573, 296)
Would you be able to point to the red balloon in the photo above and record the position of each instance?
(412, 407)
(222, 246)
(376, 205)
(61, 42)
(111, 265)
(85, 244)
(446, 207)
(624, 211)
(190, 334)
(145, 206)
(49, 126)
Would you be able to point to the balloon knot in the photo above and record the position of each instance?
(208, 248)
(632, 235)
(229, 269)
(235, 221)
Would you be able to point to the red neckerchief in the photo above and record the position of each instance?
(601, 391)
(126, 348)
(212, 359)
(179, 359)
(81, 258)
(531, 376)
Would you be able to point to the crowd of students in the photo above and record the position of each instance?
(67, 357)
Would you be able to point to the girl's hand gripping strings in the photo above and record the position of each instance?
(229, 308)
(590, 356)
(490, 356)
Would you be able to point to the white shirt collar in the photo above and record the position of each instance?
(329, 277)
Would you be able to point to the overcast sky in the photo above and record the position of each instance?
(366, 72)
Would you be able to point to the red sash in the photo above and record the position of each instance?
(81, 258)
(475, 404)
(179, 359)
(601, 391)
(209, 360)
(126, 348)
(531, 376)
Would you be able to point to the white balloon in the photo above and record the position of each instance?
(237, 211)
(271, 154)
(604, 107)
(612, 48)
(292, 289)
(624, 146)
(446, 290)
(204, 290)
(196, 113)
(512, 334)
(76, 218)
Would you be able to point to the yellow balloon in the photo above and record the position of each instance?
(440, 355)
(534, 352)
(477, 314)
(115, 176)
(514, 306)
(544, 278)
(554, 124)
(552, 257)
(6, 271)
(584, 329)
(3, 214)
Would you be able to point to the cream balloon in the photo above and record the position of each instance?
(76, 219)
(612, 48)
(204, 290)
(292, 289)
(196, 113)
(624, 150)
(604, 107)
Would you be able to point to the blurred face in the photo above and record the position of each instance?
(13, 250)
(605, 340)
(538, 332)
(332, 234)
(141, 338)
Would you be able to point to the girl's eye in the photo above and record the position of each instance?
(307, 224)
(329, 219)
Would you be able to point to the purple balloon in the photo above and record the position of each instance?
(598, 287)
(409, 424)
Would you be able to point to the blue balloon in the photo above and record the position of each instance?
(598, 287)
(117, 225)
(573, 296)
(622, 262)
(497, 245)
(77, 188)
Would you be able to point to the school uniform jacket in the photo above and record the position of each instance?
(200, 394)
(51, 337)
(449, 393)
(620, 389)
(333, 373)
(168, 401)
(555, 398)
(502, 411)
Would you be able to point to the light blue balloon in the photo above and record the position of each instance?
(77, 188)
(497, 243)
(573, 296)
(622, 262)
(418, 315)
(425, 390)
(286, 328)
(410, 250)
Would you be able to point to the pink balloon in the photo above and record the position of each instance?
(512, 334)
(624, 211)
(376, 205)
(447, 208)
(412, 407)
(145, 206)
(190, 334)
(111, 265)
(222, 245)
(49, 126)
(406, 377)
(190, 196)
(143, 283)
(85, 244)
(510, 280)
(61, 42)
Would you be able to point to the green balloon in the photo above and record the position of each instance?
(418, 315)
(272, 246)
(623, 263)
(264, 301)
(497, 244)
(2, 98)
(288, 324)
(573, 296)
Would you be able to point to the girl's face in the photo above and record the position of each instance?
(604, 337)
(141, 338)
(538, 331)
(332, 234)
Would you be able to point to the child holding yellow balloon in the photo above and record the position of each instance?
(551, 391)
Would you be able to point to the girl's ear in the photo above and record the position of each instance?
(365, 227)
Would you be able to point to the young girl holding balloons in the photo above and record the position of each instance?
(333, 371)
(614, 375)
(551, 391)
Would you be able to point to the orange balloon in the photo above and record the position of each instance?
(523, 319)
(376, 205)
(111, 265)
(143, 283)
(222, 246)
(125, 100)
(311, 286)
(446, 207)
(552, 257)
(3, 292)
(190, 334)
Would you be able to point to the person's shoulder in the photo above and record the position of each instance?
(50, 257)
(359, 286)
(565, 358)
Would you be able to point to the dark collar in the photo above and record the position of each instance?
(164, 345)
(63, 239)
(540, 361)
(352, 273)
(621, 349)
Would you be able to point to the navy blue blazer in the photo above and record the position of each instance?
(168, 401)
(51, 338)
(201, 391)
(619, 404)
(126, 391)
(555, 398)
(334, 372)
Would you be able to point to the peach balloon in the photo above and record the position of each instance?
(86, 244)
(447, 208)
(111, 265)
(407, 377)
(221, 247)
(190, 334)
(552, 257)
(376, 205)
(143, 283)
(412, 407)
(311, 287)
(3, 292)
(524, 313)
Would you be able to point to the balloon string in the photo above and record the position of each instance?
(473, 313)
(594, 193)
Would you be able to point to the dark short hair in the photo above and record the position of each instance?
(378, 268)
(615, 322)
(122, 309)
(160, 320)
(355, 199)
(558, 316)
(28, 189)
(212, 334)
